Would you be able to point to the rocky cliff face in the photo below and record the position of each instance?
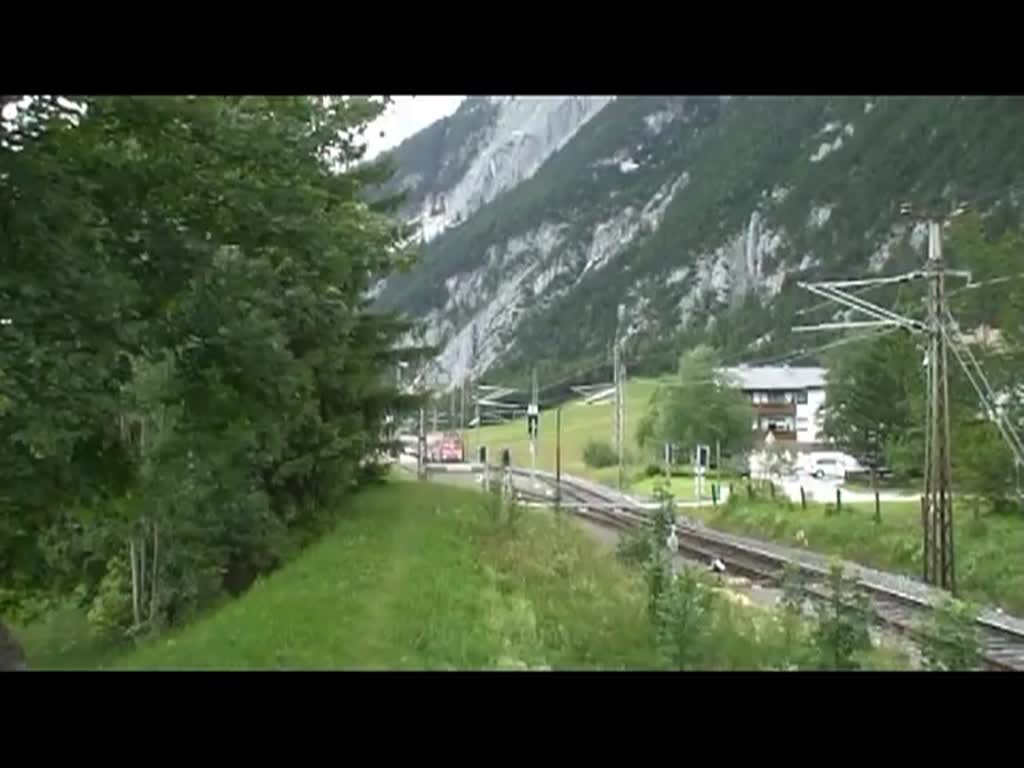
(695, 215)
(488, 146)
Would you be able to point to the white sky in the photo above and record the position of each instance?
(406, 116)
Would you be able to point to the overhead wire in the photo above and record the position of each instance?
(1009, 435)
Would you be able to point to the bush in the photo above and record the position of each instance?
(636, 547)
(110, 614)
(684, 614)
(597, 455)
(951, 639)
(653, 470)
(841, 633)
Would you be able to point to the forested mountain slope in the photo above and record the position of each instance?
(698, 215)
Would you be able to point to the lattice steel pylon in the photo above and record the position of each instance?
(937, 498)
(937, 501)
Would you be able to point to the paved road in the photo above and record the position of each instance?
(825, 491)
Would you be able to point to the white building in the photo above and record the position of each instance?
(787, 400)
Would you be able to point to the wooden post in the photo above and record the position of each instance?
(839, 500)
(924, 524)
(803, 498)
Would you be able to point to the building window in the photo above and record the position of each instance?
(801, 397)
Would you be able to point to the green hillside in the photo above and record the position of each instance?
(582, 423)
(435, 577)
(418, 577)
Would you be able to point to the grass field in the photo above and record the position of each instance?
(429, 576)
(989, 565)
(417, 577)
(580, 423)
(63, 640)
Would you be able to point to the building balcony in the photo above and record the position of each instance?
(775, 409)
(781, 436)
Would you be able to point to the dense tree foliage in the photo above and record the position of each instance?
(700, 407)
(876, 388)
(872, 387)
(191, 376)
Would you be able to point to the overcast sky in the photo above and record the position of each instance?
(406, 116)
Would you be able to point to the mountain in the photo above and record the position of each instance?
(697, 216)
(489, 145)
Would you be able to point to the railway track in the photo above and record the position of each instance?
(895, 609)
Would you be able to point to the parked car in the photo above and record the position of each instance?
(829, 464)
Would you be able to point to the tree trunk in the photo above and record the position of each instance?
(142, 570)
(874, 487)
(12, 656)
(135, 579)
(153, 588)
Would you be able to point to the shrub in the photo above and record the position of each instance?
(597, 455)
(951, 641)
(684, 613)
(635, 547)
(842, 634)
(110, 614)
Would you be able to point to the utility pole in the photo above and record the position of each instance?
(421, 444)
(938, 498)
(558, 458)
(615, 401)
(462, 410)
(622, 417)
(451, 409)
(620, 394)
(476, 407)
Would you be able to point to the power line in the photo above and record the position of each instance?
(805, 352)
(937, 509)
(987, 395)
(984, 284)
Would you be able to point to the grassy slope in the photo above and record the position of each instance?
(416, 577)
(423, 576)
(580, 423)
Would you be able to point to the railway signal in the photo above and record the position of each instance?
(532, 420)
(486, 474)
(702, 458)
(532, 414)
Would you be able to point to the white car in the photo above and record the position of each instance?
(832, 465)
